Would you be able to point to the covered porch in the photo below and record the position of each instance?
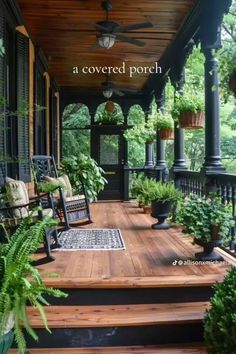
(152, 296)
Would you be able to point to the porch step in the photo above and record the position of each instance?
(176, 349)
(119, 325)
(119, 315)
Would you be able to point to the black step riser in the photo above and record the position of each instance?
(118, 336)
(132, 296)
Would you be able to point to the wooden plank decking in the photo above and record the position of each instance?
(147, 261)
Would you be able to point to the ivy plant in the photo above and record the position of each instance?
(198, 215)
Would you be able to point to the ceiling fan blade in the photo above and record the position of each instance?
(130, 40)
(135, 26)
(118, 92)
(97, 26)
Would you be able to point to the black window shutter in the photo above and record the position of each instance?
(2, 106)
(22, 102)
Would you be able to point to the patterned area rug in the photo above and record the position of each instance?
(91, 239)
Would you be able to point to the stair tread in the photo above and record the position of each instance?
(173, 349)
(119, 315)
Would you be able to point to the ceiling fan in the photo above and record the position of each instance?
(109, 88)
(111, 31)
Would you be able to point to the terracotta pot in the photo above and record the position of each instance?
(147, 209)
(232, 82)
(190, 120)
(166, 134)
(109, 107)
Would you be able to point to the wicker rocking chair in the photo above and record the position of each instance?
(72, 208)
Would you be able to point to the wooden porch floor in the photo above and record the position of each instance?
(147, 261)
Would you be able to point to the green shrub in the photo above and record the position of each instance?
(220, 321)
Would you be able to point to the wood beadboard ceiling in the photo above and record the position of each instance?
(60, 28)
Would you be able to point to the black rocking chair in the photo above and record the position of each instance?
(12, 216)
(73, 208)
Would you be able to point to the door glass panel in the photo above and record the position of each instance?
(109, 149)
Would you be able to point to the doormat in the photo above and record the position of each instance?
(91, 240)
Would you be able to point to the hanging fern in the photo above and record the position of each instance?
(20, 283)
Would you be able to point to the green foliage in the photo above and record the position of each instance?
(148, 189)
(198, 215)
(227, 55)
(102, 116)
(136, 115)
(161, 120)
(49, 186)
(190, 101)
(20, 283)
(220, 320)
(75, 116)
(165, 192)
(84, 169)
(75, 142)
(141, 133)
(145, 192)
(106, 117)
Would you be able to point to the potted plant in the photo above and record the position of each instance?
(109, 117)
(21, 284)
(84, 169)
(164, 124)
(144, 196)
(136, 186)
(163, 196)
(142, 133)
(189, 111)
(219, 322)
(209, 221)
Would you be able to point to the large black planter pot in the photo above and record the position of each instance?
(6, 341)
(160, 211)
(208, 254)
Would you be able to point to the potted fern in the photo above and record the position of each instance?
(21, 284)
(145, 194)
(163, 196)
(189, 111)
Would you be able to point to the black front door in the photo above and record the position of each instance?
(108, 151)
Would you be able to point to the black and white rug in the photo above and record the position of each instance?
(91, 239)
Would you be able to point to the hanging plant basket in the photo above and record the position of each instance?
(191, 120)
(232, 82)
(110, 106)
(166, 134)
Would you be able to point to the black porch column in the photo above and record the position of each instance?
(212, 161)
(210, 36)
(149, 154)
(160, 144)
(179, 157)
